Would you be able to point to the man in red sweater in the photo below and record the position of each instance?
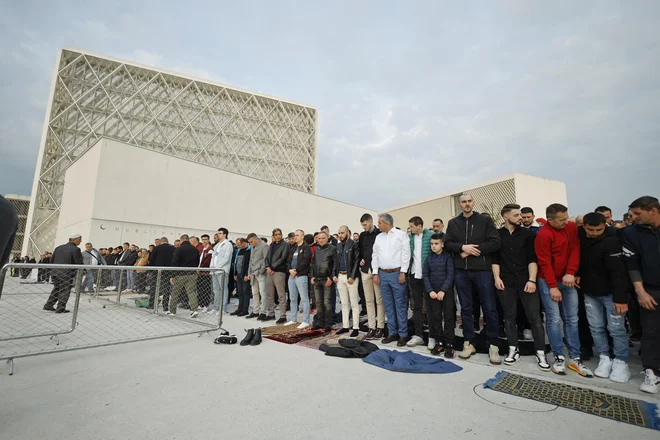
(557, 249)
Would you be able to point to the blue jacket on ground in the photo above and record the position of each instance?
(409, 362)
(438, 273)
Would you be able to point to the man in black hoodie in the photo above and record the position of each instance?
(603, 279)
(641, 253)
(185, 255)
(472, 238)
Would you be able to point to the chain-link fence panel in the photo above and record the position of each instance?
(105, 305)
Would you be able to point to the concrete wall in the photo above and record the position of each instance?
(118, 192)
(538, 193)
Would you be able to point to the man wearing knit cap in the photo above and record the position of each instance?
(63, 279)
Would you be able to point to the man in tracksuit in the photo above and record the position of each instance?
(641, 253)
(472, 238)
(603, 279)
(322, 268)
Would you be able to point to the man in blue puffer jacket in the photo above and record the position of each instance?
(438, 274)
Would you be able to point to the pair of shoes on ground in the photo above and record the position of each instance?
(493, 353)
(400, 341)
(615, 370)
(263, 317)
(253, 337)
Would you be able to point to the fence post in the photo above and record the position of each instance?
(121, 276)
(3, 273)
(74, 316)
(157, 293)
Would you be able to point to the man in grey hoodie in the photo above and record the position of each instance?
(257, 276)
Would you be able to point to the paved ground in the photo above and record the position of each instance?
(186, 387)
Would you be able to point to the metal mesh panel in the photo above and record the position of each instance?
(491, 198)
(229, 129)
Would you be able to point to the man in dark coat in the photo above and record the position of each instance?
(63, 279)
(162, 256)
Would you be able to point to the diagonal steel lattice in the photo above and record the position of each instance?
(234, 130)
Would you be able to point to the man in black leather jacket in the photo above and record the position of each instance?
(276, 270)
(323, 264)
(345, 273)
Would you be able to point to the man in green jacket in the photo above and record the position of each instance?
(420, 248)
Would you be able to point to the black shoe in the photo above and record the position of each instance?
(248, 338)
(636, 337)
(62, 311)
(437, 349)
(316, 327)
(234, 313)
(390, 338)
(280, 321)
(370, 334)
(270, 318)
(241, 314)
(49, 309)
(355, 333)
(341, 331)
(256, 339)
(261, 317)
(378, 334)
(402, 342)
(252, 315)
(449, 352)
(328, 329)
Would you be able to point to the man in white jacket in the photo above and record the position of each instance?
(221, 260)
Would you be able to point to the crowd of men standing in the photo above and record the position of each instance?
(587, 277)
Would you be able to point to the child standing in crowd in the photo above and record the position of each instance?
(438, 274)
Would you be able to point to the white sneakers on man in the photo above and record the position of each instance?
(290, 323)
(431, 344)
(194, 314)
(620, 371)
(494, 355)
(604, 368)
(302, 326)
(651, 382)
(415, 341)
(514, 355)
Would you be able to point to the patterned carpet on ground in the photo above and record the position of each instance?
(618, 408)
(331, 338)
(294, 336)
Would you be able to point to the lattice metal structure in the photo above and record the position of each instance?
(22, 206)
(231, 129)
(490, 199)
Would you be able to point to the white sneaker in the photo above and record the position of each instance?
(494, 355)
(303, 325)
(194, 314)
(431, 344)
(211, 311)
(513, 356)
(604, 368)
(290, 323)
(415, 341)
(169, 313)
(125, 291)
(527, 334)
(542, 361)
(651, 382)
(217, 312)
(201, 309)
(620, 371)
(559, 365)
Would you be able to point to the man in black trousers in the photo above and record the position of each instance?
(162, 256)
(63, 279)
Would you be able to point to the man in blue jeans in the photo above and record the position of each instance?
(603, 279)
(557, 249)
(473, 238)
(389, 264)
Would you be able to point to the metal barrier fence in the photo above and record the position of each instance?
(71, 307)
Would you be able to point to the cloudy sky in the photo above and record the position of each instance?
(415, 98)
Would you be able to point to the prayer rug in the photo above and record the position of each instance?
(618, 408)
(277, 329)
(294, 336)
(329, 339)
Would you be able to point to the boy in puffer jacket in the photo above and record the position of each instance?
(438, 274)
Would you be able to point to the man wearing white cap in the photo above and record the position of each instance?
(63, 279)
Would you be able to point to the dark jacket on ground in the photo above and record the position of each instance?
(304, 261)
(186, 255)
(67, 253)
(438, 273)
(323, 261)
(162, 255)
(602, 271)
(278, 254)
(351, 256)
(641, 253)
(477, 229)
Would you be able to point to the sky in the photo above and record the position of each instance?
(414, 98)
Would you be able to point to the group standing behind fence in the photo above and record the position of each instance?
(578, 272)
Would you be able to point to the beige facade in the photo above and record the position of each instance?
(489, 196)
(118, 192)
